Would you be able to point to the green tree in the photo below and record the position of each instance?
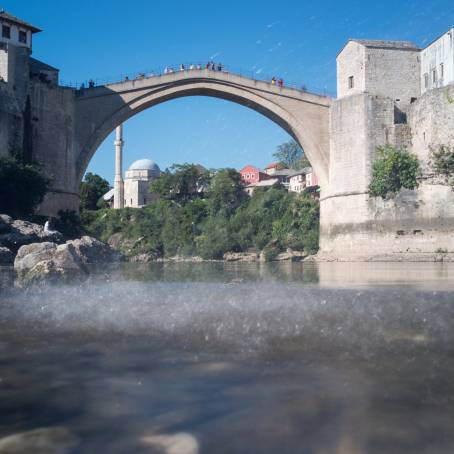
(225, 193)
(393, 170)
(182, 182)
(298, 228)
(291, 156)
(22, 187)
(91, 190)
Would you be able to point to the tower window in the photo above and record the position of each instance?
(434, 76)
(22, 37)
(442, 70)
(6, 31)
(426, 80)
(351, 82)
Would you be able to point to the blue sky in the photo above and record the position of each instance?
(295, 40)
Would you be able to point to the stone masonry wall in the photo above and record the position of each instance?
(53, 135)
(393, 74)
(415, 224)
(431, 119)
(351, 62)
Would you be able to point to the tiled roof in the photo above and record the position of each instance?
(15, 20)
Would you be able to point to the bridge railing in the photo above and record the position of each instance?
(257, 75)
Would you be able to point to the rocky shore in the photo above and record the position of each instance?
(42, 257)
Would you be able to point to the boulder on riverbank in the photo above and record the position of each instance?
(241, 257)
(41, 263)
(48, 263)
(48, 440)
(16, 233)
(94, 252)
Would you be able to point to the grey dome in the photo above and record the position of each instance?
(145, 164)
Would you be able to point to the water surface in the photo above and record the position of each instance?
(213, 357)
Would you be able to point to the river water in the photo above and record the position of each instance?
(232, 358)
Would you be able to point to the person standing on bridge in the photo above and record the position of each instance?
(91, 83)
(208, 65)
(213, 67)
(182, 68)
(273, 81)
(280, 83)
(219, 66)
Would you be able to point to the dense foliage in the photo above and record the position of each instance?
(181, 182)
(91, 191)
(220, 219)
(22, 187)
(291, 156)
(393, 170)
(442, 161)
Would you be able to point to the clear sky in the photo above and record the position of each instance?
(296, 40)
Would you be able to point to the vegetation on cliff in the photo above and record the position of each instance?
(392, 171)
(202, 215)
(442, 161)
(22, 187)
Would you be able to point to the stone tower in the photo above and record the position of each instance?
(119, 187)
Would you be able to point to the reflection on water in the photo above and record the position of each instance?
(185, 358)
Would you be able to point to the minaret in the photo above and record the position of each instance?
(119, 197)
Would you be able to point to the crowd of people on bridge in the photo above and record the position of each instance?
(211, 66)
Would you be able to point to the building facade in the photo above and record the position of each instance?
(437, 63)
(137, 182)
(252, 175)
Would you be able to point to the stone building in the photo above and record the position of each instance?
(437, 62)
(384, 68)
(137, 181)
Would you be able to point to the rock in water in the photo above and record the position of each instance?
(180, 443)
(30, 255)
(92, 251)
(58, 264)
(53, 440)
(6, 257)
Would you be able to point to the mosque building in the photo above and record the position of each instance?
(137, 182)
(133, 190)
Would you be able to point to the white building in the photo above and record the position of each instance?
(137, 181)
(298, 182)
(15, 31)
(437, 62)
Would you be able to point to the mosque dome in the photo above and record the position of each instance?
(145, 164)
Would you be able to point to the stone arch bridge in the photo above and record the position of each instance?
(99, 110)
(340, 137)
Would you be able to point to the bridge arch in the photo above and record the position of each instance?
(302, 115)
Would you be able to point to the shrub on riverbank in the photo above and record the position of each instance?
(22, 187)
(223, 220)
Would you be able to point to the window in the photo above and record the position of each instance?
(351, 82)
(426, 80)
(22, 37)
(434, 76)
(6, 31)
(442, 70)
